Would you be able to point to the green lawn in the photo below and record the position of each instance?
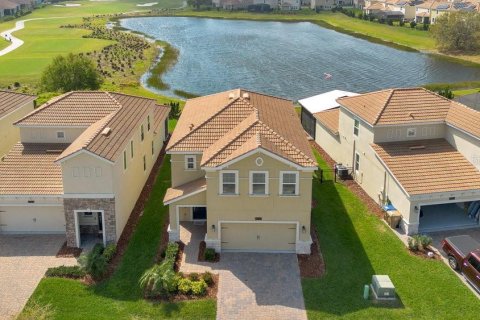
(356, 245)
(4, 44)
(120, 296)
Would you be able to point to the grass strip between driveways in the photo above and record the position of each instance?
(120, 296)
(355, 245)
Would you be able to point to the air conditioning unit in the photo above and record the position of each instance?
(383, 288)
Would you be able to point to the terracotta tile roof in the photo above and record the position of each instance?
(222, 125)
(75, 109)
(121, 124)
(160, 114)
(185, 190)
(397, 106)
(428, 166)
(10, 101)
(464, 118)
(330, 119)
(29, 169)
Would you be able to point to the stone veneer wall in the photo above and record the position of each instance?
(106, 205)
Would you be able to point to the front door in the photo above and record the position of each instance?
(199, 213)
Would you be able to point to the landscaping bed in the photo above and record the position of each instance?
(312, 265)
(68, 252)
(211, 256)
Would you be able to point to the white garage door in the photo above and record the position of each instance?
(258, 237)
(33, 219)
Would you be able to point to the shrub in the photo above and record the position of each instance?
(16, 84)
(208, 278)
(94, 263)
(199, 288)
(425, 26)
(390, 22)
(425, 241)
(109, 252)
(74, 272)
(413, 24)
(171, 251)
(209, 254)
(412, 244)
(194, 276)
(159, 280)
(185, 286)
(401, 23)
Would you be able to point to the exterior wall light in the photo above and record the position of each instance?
(304, 230)
(213, 227)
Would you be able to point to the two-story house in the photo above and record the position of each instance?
(13, 106)
(411, 148)
(81, 163)
(242, 165)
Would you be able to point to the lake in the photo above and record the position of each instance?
(287, 59)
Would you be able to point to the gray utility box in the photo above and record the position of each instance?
(383, 288)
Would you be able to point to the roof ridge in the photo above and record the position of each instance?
(384, 106)
(287, 141)
(130, 95)
(196, 128)
(44, 106)
(265, 94)
(19, 93)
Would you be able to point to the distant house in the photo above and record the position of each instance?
(412, 149)
(329, 4)
(13, 107)
(8, 8)
(471, 100)
(389, 9)
(25, 5)
(81, 163)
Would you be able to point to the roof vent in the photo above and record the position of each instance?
(417, 147)
(231, 95)
(246, 96)
(106, 132)
(191, 126)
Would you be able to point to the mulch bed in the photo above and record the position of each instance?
(136, 214)
(424, 254)
(312, 265)
(352, 185)
(201, 253)
(68, 252)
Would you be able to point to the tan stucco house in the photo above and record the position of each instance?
(13, 106)
(411, 148)
(81, 163)
(242, 165)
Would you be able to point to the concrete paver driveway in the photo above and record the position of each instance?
(260, 286)
(23, 262)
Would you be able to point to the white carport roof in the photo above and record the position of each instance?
(324, 101)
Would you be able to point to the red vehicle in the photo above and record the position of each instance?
(464, 255)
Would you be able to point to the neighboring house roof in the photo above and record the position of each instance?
(6, 4)
(375, 6)
(160, 113)
(29, 169)
(428, 166)
(227, 125)
(107, 137)
(11, 101)
(470, 100)
(330, 119)
(464, 118)
(73, 109)
(324, 101)
(397, 106)
(185, 190)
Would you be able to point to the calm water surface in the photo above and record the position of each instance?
(287, 59)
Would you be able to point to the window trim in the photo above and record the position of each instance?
(220, 189)
(190, 156)
(144, 163)
(297, 184)
(153, 148)
(356, 127)
(250, 191)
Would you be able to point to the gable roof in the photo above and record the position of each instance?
(229, 124)
(11, 101)
(330, 119)
(428, 166)
(120, 125)
(29, 169)
(464, 118)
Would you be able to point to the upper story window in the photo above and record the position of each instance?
(289, 183)
(190, 162)
(153, 147)
(144, 163)
(131, 149)
(357, 161)
(148, 123)
(356, 127)
(142, 133)
(124, 159)
(258, 182)
(229, 182)
(60, 135)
